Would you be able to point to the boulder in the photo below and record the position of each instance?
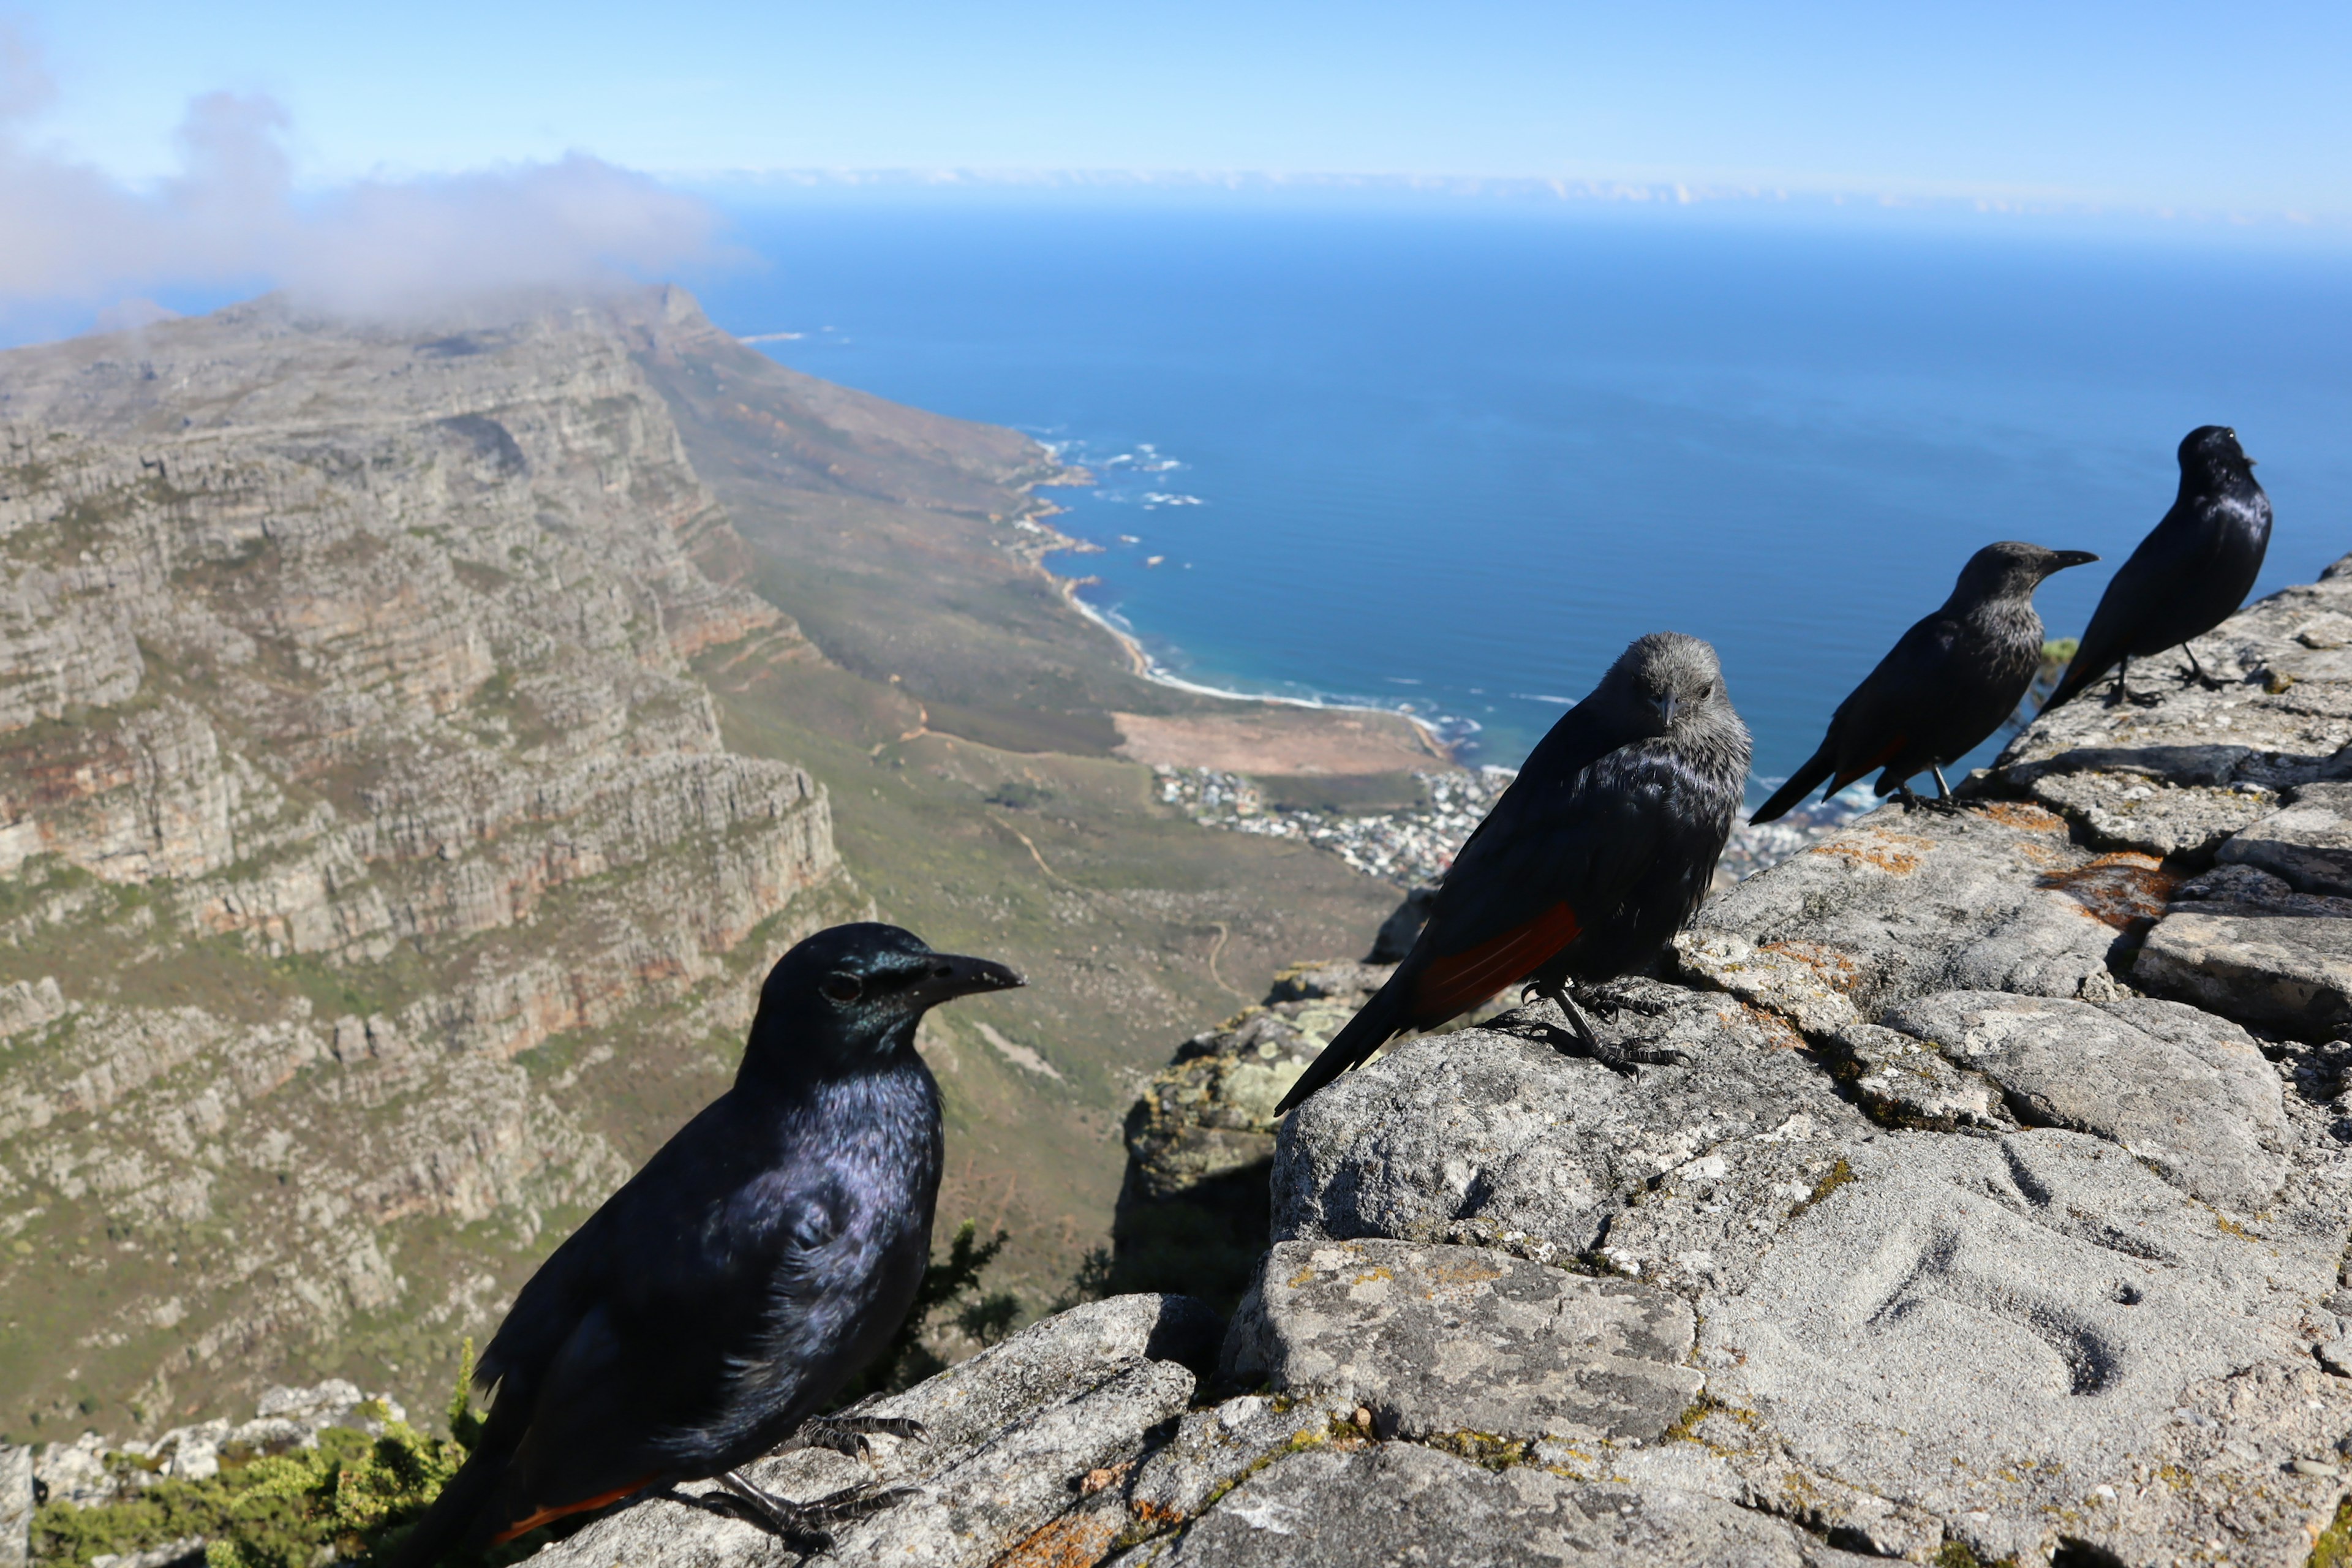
(1495, 1135)
(2189, 1093)
(15, 1505)
(1993, 1331)
(1437, 1339)
(2244, 944)
(2307, 843)
(1011, 1437)
(1902, 904)
(1345, 1505)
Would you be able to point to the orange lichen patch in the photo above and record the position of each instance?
(1159, 1515)
(1073, 1540)
(1464, 1273)
(2126, 890)
(1107, 1476)
(2041, 854)
(1775, 1028)
(1838, 972)
(2022, 814)
(1880, 851)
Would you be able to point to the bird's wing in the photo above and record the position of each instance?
(1570, 862)
(1879, 718)
(2139, 584)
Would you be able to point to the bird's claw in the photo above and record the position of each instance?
(847, 1431)
(1947, 807)
(801, 1525)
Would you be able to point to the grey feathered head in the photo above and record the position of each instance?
(1678, 681)
(2012, 570)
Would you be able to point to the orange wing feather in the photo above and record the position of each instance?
(549, 1515)
(1461, 981)
(1879, 760)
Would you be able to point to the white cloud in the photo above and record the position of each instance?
(71, 233)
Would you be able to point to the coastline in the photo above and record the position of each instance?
(1048, 539)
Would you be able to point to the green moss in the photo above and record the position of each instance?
(2333, 1547)
(1481, 1448)
(340, 1498)
(1839, 1175)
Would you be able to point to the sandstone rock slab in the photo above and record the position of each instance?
(1395, 1502)
(1907, 1083)
(15, 1505)
(1011, 1437)
(1905, 904)
(2308, 843)
(2190, 1093)
(1992, 1329)
(1461, 1339)
(1491, 1133)
(2261, 965)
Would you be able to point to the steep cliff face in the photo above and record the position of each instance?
(349, 748)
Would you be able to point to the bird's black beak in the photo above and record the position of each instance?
(2066, 558)
(950, 975)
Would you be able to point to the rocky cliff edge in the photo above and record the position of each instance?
(1979, 1195)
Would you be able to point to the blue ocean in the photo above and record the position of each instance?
(1455, 456)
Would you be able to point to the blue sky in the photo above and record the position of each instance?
(2242, 109)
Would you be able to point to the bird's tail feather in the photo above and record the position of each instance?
(451, 1524)
(1801, 783)
(2081, 674)
(1373, 1026)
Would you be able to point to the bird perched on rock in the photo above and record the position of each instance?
(2189, 575)
(1945, 687)
(758, 1260)
(1599, 851)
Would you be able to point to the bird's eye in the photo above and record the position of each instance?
(843, 987)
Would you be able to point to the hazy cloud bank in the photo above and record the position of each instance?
(70, 233)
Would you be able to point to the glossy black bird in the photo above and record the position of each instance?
(2189, 575)
(757, 1262)
(1599, 850)
(1945, 685)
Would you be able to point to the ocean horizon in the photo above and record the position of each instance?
(1450, 461)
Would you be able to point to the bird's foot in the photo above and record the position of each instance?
(802, 1526)
(1947, 805)
(2149, 699)
(845, 1431)
(1583, 1039)
(2193, 676)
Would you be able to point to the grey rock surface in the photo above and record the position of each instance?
(1011, 1437)
(2308, 843)
(2261, 964)
(1433, 1339)
(2188, 1092)
(1395, 1502)
(15, 1505)
(1485, 1133)
(1991, 1329)
(1902, 904)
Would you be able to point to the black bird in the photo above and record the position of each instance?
(1599, 850)
(758, 1260)
(1945, 685)
(2189, 575)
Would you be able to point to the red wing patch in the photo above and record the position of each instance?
(550, 1514)
(1879, 760)
(1461, 981)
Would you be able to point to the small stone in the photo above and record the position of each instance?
(2316, 1468)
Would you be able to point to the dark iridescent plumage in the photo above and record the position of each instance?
(732, 1286)
(1599, 850)
(1945, 685)
(2189, 575)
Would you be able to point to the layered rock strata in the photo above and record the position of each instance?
(348, 751)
